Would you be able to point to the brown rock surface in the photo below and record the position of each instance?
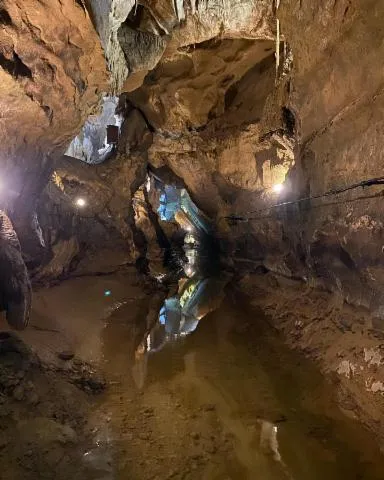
(206, 103)
(318, 127)
(52, 74)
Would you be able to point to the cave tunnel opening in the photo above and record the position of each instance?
(99, 136)
(200, 252)
(199, 281)
(197, 329)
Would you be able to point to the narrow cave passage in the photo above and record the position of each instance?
(191, 240)
(195, 268)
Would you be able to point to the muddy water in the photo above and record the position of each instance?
(227, 401)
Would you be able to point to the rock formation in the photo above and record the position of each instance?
(15, 287)
(235, 99)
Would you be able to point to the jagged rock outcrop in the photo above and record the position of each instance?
(99, 234)
(154, 241)
(194, 22)
(15, 287)
(96, 237)
(52, 75)
(134, 35)
(231, 139)
(142, 50)
(187, 91)
(108, 15)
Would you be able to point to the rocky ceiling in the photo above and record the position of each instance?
(205, 98)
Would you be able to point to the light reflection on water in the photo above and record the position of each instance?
(199, 292)
(276, 408)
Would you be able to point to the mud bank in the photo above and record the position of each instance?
(52, 374)
(343, 340)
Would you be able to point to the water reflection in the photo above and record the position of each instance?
(229, 395)
(199, 291)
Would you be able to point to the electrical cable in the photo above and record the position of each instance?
(335, 191)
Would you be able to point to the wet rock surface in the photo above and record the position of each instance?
(218, 405)
(15, 286)
(214, 98)
(343, 341)
(40, 415)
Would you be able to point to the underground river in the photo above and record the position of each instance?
(212, 393)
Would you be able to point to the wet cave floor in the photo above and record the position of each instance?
(227, 401)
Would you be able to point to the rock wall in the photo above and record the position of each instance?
(15, 287)
(98, 235)
(236, 128)
(216, 111)
(339, 117)
(52, 76)
(231, 130)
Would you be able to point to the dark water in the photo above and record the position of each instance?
(208, 347)
(210, 393)
(236, 363)
(281, 415)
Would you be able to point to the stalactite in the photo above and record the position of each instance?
(277, 41)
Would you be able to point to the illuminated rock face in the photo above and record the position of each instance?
(52, 74)
(203, 98)
(15, 288)
(91, 145)
(231, 132)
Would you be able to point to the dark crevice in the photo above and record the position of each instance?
(130, 106)
(15, 67)
(135, 17)
(48, 112)
(162, 239)
(289, 120)
(5, 18)
(81, 4)
(166, 175)
(257, 70)
(230, 95)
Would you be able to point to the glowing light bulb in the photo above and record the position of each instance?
(107, 293)
(278, 187)
(80, 202)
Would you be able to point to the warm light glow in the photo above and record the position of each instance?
(148, 184)
(278, 187)
(80, 202)
(189, 271)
